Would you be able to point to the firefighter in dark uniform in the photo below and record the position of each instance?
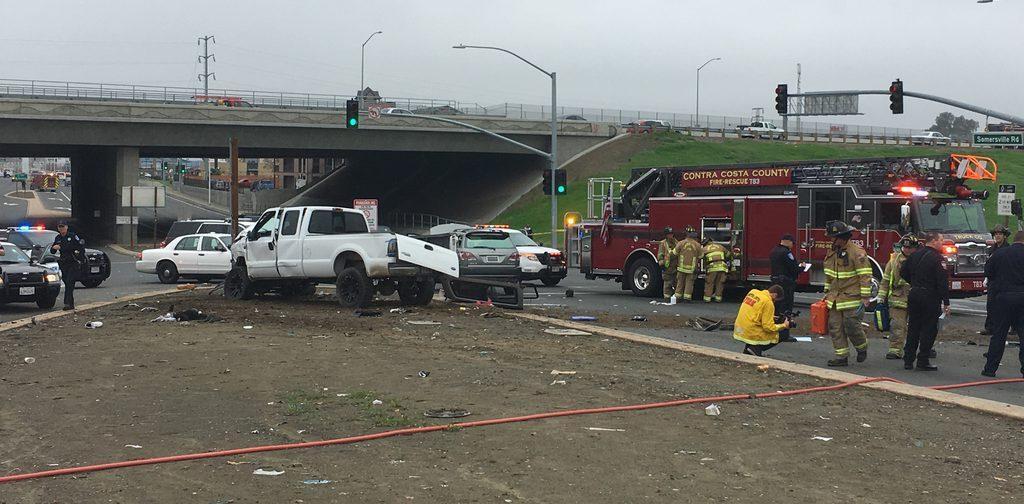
(785, 270)
(1005, 273)
(72, 257)
(1001, 237)
(928, 298)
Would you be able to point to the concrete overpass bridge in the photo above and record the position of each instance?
(411, 165)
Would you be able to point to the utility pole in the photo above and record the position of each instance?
(205, 77)
(801, 109)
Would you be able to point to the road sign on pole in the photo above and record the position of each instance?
(1007, 193)
(1000, 139)
(369, 209)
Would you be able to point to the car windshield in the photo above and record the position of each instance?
(488, 240)
(952, 217)
(13, 255)
(521, 240)
(40, 238)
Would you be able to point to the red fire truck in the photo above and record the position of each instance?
(748, 207)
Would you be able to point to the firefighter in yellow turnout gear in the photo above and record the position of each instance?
(893, 292)
(688, 252)
(668, 262)
(847, 293)
(716, 267)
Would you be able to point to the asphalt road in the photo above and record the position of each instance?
(958, 362)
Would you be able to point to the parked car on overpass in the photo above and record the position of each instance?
(395, 111)
(649, 126)
(929, 138)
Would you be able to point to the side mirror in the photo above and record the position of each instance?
(540, 244)
(905, 216)
(250, 236)
(48, 259)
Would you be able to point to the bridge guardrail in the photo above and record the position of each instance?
(427, 106)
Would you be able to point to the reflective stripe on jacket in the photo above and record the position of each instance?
(717, 257)
(688, 251)
(847, 277)
(667, 253)
(755, 322)
(894, 289)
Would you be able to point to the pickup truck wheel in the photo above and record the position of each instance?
(418, 292)
(644, 277)
(548, 280)
(91, 284)
(237, 285)
(167, 272)
(354, 288)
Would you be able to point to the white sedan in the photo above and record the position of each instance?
(929, 138)
(199, 256)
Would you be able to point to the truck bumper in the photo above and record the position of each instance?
(963, 287)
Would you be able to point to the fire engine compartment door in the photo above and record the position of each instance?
(767, 219)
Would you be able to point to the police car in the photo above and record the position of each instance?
(538, 263)
(36, 241)
(22, 280)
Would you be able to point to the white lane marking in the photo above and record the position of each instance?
(62, 208)
(65, 196)
(10, 204)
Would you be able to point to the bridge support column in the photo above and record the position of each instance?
(97, 176)
(126, 173)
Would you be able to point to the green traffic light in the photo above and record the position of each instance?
(561, 189)
(352, 121)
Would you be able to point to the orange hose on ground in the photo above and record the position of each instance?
(465, 425)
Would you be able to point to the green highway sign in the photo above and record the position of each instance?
(1004, 139)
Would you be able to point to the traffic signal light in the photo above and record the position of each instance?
(896, 97)
(352, 114)
(561, 187)
(782, 99)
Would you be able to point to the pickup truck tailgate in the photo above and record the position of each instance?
(428, 255)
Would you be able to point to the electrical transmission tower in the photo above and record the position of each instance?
(205, 60)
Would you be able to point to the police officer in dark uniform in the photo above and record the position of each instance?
(785, 270)
(928, 298)
(72, 256)
(1005, 273)
(1000, 239)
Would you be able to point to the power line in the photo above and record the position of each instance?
(205, 60)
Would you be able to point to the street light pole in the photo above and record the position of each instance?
(697, 122)
(553, 158)
(362, 66)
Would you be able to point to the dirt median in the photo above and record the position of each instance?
(308, 370)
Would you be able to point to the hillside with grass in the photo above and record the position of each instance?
(669, 149)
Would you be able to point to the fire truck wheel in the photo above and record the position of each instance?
(644, 277)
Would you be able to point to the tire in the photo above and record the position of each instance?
(46, 301)
(354, 288)
(91, 283)
(237, 284)
(416, 292)
(644, 277)
(167, 272)
(549, 280)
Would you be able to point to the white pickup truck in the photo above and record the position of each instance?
(290, 250)
(761, 129)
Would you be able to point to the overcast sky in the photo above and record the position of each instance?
(637, 54)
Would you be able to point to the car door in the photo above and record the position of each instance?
(289, 244)
(213, 257)
(260, 253)
(428, 255)
(186, 254)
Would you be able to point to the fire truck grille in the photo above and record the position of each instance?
(971, 259)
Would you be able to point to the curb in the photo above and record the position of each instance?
(14, 324)
(972, 403)
(120, 250)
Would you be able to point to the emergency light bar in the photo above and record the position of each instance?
(913, 191)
